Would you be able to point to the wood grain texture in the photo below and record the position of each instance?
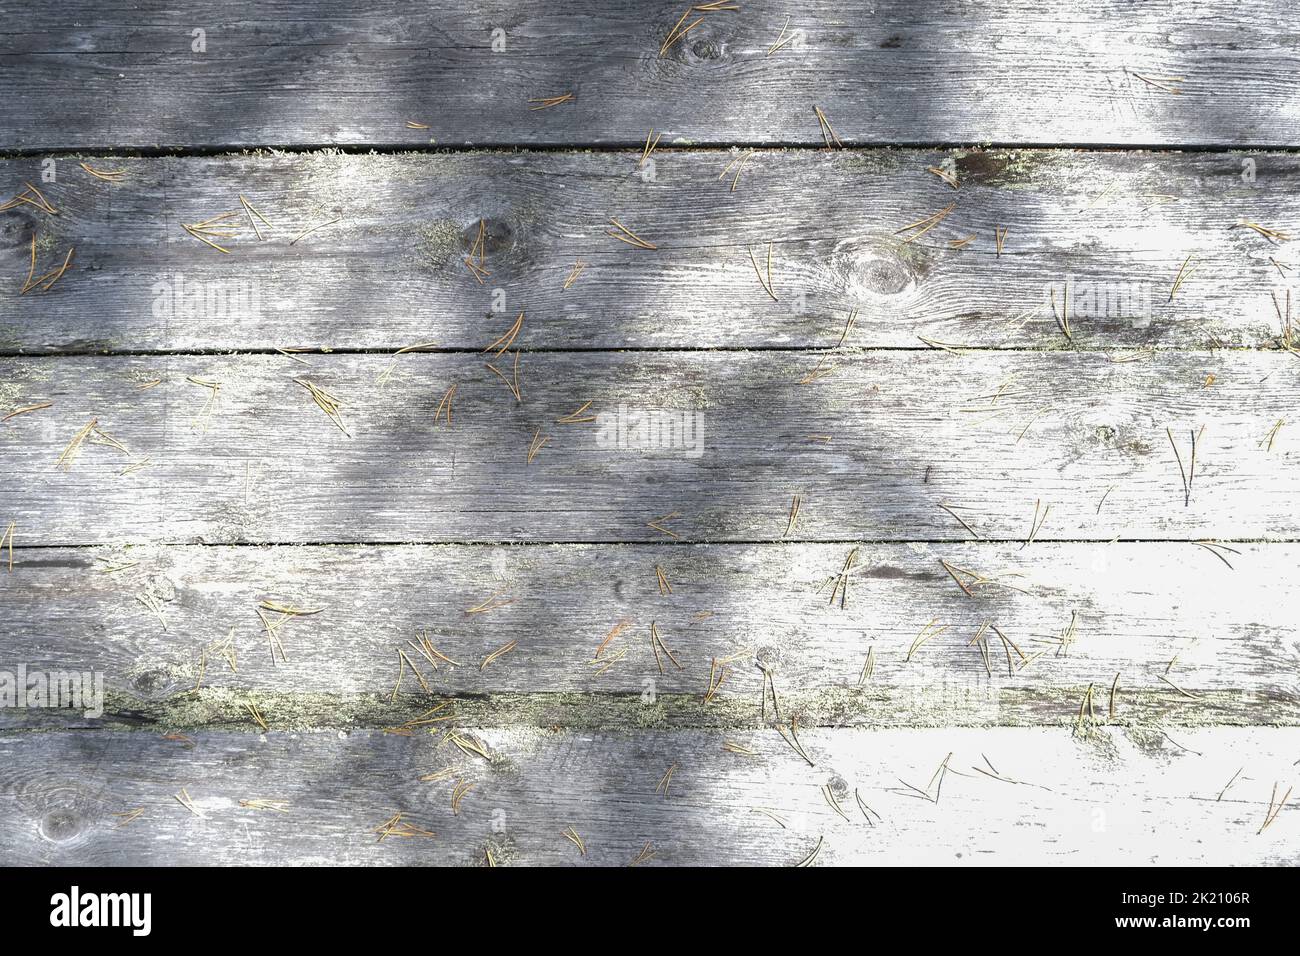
(872, 449)
(294, 72)
(1115, 227)
(1188, 640)
(1108, 798)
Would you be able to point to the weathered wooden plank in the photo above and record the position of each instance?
(872, 449)
(293, 72)
(1187, 640)
(1115, 227)
(1109, 798)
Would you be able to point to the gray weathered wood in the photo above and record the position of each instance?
(872, 448)
(1115, 227)
(1188, 640)
(80, 74)
(1109, 797)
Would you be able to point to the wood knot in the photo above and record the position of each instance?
(62, 824)
(878, 268)
(496, 235)
(706, 49)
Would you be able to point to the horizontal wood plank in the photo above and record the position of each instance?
(234, 449)
(293, 72)
(1185, 639)
(1111, 798)
(1092, 241)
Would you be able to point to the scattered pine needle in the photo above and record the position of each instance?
(625, 234)
(546, 102)
(829, 135)
(499, 652)
(326, 402)
(107, 175)
(28, 409)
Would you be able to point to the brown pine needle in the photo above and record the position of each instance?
(9, 537)
(109, 176)
(499, 652)
(738, 161)
(1273, 235)
(657, 524)
(625, 234)
(1269, 438)
(1166, 84)
(491, 604)
(257, 716)
(829, 135)
(677, 32)
(614, 631)
(952, 573)
(958, 518)
(649, 146)
(999, 238)
(511, 383)
(1188, 475)
(36, 408)
(279, 806)
(458, 794)
(576, 417)
(866, 810)
(921, 226)
(664, 586)
(1037, 524)
(326, 402)
(1274, 807)
(183, 798)
(1184, 271)
(1229, 784)
(717, 674)
(781, 39)
(811, 858)
(73, 449)
(536, 444)
(794, 516)
(945, 175)
(822, 370)
(731, 746)
(1187, 694)
(412, 124)
(646, 855)
(128, 816)
(834, 802)
(307, 232)
(657, 644)
(868, 667)
(254, 217)
(570, 834)
(765, 283)
(468, 746)
(395, 826)
(546, 102)
(927, 633)
(506, 340)
(30, 196)
(444, 407)
(793, 740)
(666, 781)
(842, 579)
(576, 271)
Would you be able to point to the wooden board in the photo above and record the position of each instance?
(82, 74)
(872, 449)
(1105, 798)
(1185, 639)
(386, 270)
